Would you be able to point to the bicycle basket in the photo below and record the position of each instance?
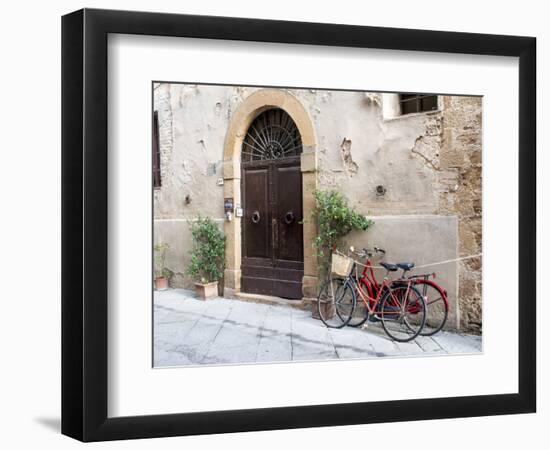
(341, 265)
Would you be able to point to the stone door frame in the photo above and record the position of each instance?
(249, 109)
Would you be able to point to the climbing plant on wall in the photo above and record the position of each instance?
(335, 219)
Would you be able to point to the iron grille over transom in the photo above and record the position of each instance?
(272, 135)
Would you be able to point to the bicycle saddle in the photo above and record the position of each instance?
(388, 266)
(405, 266)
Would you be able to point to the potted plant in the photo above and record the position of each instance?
(162, 274)
(207, 257)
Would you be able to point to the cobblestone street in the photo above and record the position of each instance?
(188, 331)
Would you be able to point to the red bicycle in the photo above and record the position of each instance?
(437, 304)
(399, 307)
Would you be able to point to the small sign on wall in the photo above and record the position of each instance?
(228, 204)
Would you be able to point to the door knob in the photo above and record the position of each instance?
(255, 217)
(289, 217)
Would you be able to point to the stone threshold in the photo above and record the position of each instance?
(303, 304)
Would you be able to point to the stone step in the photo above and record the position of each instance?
(303, 304)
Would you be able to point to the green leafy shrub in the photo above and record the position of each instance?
(208, 254)
(334, 219)
(160, 258)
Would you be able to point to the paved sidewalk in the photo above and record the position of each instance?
(188, 331)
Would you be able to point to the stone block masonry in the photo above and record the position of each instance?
(460, 194)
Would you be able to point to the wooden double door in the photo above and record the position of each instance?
(272, 229)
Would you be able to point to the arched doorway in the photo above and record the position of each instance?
(271, 192)
(248, 111)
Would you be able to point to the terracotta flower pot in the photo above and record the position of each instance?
(161, 283)
(207, 290)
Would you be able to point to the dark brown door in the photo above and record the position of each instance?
(272, 230)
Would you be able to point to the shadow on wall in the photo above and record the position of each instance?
(51, 423)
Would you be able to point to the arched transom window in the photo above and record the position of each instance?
(272, 135)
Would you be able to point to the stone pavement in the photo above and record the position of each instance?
(188, 331)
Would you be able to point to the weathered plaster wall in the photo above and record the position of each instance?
(192, 124)
(359, 150)
(422, 163)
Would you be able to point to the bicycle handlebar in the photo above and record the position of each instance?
(366, 253)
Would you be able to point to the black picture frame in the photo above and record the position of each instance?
(84, 224)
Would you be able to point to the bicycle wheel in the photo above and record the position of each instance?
(437, 307)
(361, 313)
(402, 313)
(336, 303)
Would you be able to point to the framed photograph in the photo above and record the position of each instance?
(273, 225)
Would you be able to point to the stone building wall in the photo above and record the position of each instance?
(418, 175)
(460, 194)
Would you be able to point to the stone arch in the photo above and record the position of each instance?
(247, 111)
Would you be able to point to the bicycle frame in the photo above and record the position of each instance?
(370, 283)
(374, 290)
(372, 286)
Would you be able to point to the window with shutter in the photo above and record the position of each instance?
(156, 151)
(414, 103)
